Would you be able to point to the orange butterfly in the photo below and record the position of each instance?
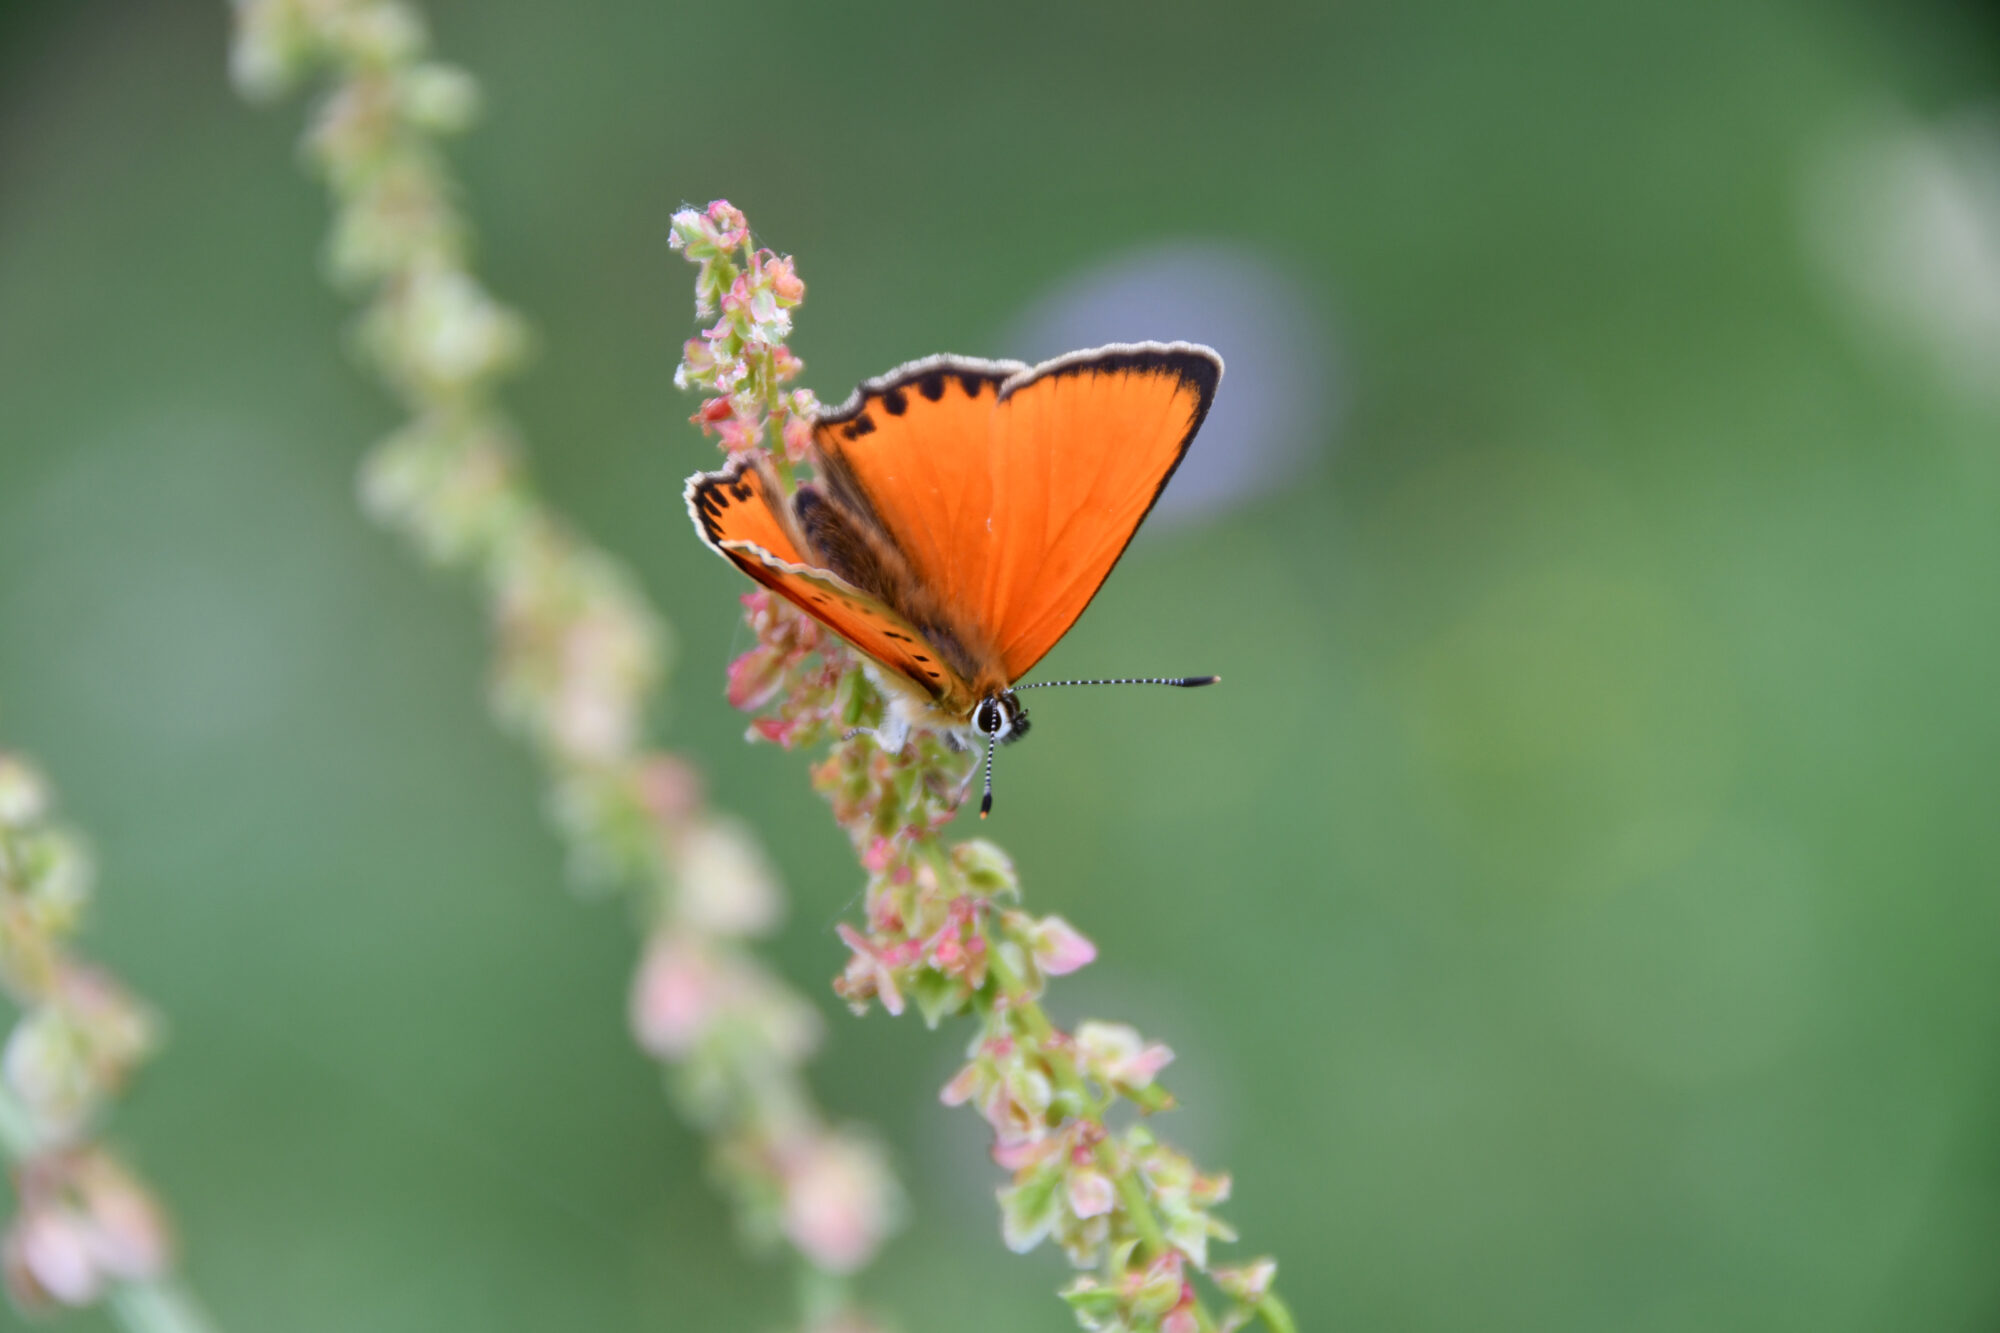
(964, 513)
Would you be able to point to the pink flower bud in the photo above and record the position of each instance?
(963, 1085)
(784, 279)
(798, 439)
(740, 296)
(1015, 1149)
(776, 730)
(740, 434)
(1060, 948)
(713, 411)
(755, 679)
(727, 225)
(1091, 1193)
(876, 859)
(1248, 1283)
(1119, 1056)
(868, 972)
(1208, 1189)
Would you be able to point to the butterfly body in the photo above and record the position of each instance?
(962, 515)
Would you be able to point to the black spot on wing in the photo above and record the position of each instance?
(945, 641)
(711, 500)
(930, 378)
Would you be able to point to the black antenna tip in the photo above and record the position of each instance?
(986, 805)
(1189, 682)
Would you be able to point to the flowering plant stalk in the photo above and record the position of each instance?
(577, 647)
(86, 1229)
(945, 930)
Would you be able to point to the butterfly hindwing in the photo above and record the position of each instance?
(743, 503)
(739, 513)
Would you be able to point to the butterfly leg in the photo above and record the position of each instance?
(892, 735)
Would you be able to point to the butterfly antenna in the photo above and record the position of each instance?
(1183, 682)
(986, 801)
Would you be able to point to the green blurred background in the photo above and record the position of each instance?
(1576, 911)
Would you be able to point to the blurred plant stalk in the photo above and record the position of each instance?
(944, 928)
(86, 1229)
(577, 649)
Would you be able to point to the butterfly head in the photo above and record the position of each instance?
(1001, 718)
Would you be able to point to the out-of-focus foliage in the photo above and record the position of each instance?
(1587, 865)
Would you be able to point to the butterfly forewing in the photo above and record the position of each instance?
(1082, 448)
(1010, 491)
(911, 453)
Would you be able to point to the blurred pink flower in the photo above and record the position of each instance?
(839, 1202)
(727, 887)
(670, 787)
(674, 995)
(83, 1223)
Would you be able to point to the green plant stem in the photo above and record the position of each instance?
(18, 1136)
(159, 1306)
(1035, 1024)
(1277, 1316)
